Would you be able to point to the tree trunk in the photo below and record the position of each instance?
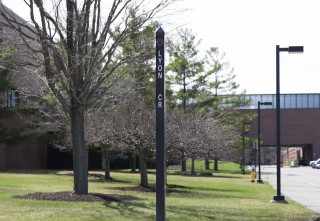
(80, 152)
(207, 164)
(143, 170)
(107, 166)
(216, 160)
(133, 162)
(183, 162)
(183, 165)
(193, 172)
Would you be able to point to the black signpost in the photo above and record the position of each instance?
(160, 128)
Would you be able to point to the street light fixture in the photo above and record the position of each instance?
(260, 103)
(243, 144)
(290, 49)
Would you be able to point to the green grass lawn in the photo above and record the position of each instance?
(226, 195)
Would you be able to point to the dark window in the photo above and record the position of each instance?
(10, 98)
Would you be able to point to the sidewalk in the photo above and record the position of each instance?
(301, 184)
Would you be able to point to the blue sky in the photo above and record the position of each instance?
(248, 32)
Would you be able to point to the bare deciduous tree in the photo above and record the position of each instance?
(136, 128)
(79, 50)
(199, 136)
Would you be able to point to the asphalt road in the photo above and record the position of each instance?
(301, 184)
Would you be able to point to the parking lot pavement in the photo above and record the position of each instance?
(301, 184)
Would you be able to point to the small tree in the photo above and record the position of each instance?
(202, 135)
(100, 136)
(134, 126)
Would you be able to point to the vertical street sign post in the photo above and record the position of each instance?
(160, 128)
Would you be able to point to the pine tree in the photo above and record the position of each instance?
(183, 69)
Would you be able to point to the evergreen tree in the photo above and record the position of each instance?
(184, 68)
(140, 45)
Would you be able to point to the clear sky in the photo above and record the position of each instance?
(248, 32)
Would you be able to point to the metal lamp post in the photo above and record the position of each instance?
(290, 49)
(259, 156)
(243, 144)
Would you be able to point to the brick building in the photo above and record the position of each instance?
(300, 123)
(291, 156)
(25, 155)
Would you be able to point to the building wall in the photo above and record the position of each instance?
(299, 128)
(23, 156)
(26, 155)
(2, 156)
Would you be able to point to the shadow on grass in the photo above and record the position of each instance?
(137, 208)
(128, 171)
(191, 213)
(147, 211)
(219, 189)
(96, 177)
(170, 189)
(100, 178)
(204, 174)
(183, 191)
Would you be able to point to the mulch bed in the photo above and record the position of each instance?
(98, 197)
(70, 196)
